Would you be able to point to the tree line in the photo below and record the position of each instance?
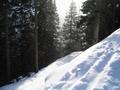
(99, 19)
(28, 31)
(31, 38)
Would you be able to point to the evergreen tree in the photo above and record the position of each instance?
(110, 17)
(101, 18)
(16, 36)
(56, 31)
(4, 54)
(21, 37)
(90, 20)
(27, 27)
(71, 33)
(47, 27)
(81, 26)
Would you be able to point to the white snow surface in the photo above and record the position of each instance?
(97, 68)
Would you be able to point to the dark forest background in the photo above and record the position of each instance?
(31, 37)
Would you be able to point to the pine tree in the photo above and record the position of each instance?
(28, 32)
(71, 33)
(4, 45)
(46, 32)
(101, 18)
(20, 26)
(90, 20)
(57, 43)
(110, 17)
(81, 26)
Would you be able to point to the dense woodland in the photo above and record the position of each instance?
(31, 38)
(27, 36)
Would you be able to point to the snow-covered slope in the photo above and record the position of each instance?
(97, 68)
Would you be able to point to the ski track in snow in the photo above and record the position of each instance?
(97, 68)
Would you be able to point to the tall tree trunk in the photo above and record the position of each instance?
(36, 37)
(97, 21)
(7, 44)
(96, 29)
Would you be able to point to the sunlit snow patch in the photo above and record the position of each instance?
(97, 68)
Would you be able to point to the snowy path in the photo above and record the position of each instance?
(97, 68)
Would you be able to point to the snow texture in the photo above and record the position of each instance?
(97, 68)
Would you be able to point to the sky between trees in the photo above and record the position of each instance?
(63, 7)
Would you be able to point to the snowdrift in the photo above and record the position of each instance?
(97, 68)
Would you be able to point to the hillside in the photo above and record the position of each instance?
(97, 68)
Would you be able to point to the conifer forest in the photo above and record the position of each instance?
(32, 37)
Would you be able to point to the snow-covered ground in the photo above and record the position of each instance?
(97, 68)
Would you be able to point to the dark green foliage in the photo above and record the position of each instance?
(20, 30)
(3, 42)
(101, 18)
(18, 23)
(47, 29)
(88, 20)
(110, 17)
(72, 35)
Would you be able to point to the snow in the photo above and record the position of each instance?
(97, 68)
